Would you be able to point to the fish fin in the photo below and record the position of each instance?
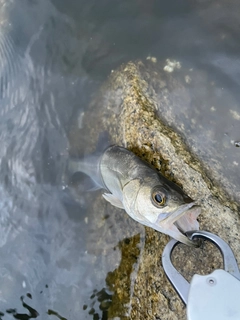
(89, 164)
(113, 200)
(95, 188)
(83, 182)
(103, 142)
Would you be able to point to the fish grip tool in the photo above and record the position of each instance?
(212, 296)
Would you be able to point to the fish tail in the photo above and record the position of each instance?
(88, 165)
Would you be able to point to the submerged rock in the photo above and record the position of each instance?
(154, 109)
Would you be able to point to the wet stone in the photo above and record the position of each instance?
(156, 114)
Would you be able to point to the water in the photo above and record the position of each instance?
(53, 56)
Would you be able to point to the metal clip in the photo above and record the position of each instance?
(180, 284)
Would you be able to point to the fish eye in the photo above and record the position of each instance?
(158, 198)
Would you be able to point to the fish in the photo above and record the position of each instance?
(146, 195)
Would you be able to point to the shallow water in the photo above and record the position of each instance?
(53, 56)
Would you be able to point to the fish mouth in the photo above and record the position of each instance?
(184, 219)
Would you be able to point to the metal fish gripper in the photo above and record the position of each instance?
(212, 296)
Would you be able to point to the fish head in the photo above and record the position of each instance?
(162, 206)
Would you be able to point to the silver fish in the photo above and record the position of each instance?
(146, 195)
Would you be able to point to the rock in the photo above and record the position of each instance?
(154, 109)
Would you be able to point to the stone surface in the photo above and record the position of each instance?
(152, 109)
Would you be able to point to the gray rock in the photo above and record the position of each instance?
(155, 110)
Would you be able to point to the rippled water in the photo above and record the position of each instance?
(53, 56)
